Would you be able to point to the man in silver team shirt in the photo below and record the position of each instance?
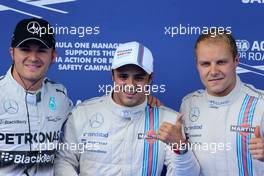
(32, 108)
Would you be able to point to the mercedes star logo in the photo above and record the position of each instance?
(96, 120)
(33, 27)
(194, 114)
(11, 106)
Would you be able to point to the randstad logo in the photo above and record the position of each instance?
(252, 1)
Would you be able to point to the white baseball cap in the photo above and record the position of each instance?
(133, 53)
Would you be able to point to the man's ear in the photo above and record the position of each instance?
(112, 75)
(54, 55)
(237, 60)
(11, 52)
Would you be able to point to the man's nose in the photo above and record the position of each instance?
(130, 84)
(33, 55)
(214, 70)
(130, 81)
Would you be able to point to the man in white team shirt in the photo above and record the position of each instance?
(221, 120)
(121, 133)
(32, 108)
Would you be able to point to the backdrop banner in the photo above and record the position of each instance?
(88, 32)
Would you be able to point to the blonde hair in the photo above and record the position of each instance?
(216, 36)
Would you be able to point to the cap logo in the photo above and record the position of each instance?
(33, 27)
(124, 53)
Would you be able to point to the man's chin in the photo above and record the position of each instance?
(33, 79)
(129, 103)
(216, 92)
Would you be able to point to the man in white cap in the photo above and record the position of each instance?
(32, 108)
(120, 133)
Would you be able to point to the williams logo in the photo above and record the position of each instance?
(244, 129)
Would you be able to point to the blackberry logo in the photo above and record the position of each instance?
(5, 156)
(26, 157)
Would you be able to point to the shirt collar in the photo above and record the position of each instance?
(19, 89)
(215, 102)
(126, 112)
